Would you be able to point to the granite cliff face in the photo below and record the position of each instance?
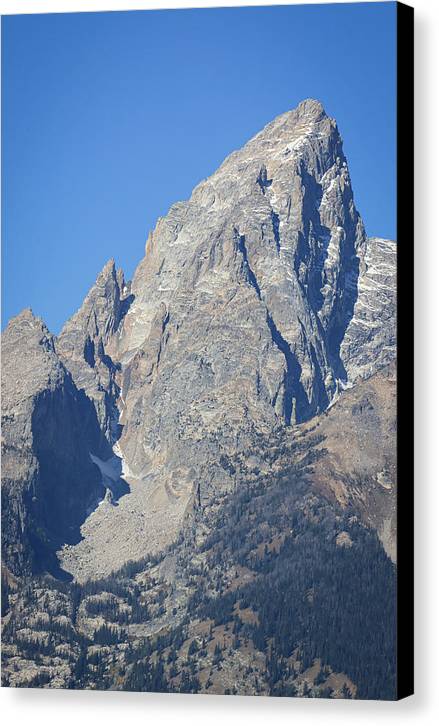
(259, 300)
(49, 483)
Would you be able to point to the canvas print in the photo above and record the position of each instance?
(200, 433)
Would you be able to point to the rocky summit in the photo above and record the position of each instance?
(256, 339)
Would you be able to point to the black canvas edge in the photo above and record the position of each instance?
(405, 342)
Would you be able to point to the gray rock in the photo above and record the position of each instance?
(84, 341)
(49, 483)
(369, 342)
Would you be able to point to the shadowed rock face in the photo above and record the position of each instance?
(49, 483)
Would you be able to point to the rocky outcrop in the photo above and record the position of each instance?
(49, 483)
(84, 342)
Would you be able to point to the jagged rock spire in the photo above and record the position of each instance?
(84, 341)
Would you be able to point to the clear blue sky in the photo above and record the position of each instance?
(109, 118)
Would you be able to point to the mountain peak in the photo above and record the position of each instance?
(26, 323)
(108, 270)
(311, 108)
(83, 343)
(101, 304)
(258, 303)
(29, 360)
(308, 116)
(25, 314)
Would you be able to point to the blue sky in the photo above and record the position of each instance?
(109, 118)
